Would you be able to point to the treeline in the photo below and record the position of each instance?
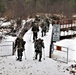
(22, 8)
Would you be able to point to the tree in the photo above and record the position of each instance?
(28, 7)
(2, 7)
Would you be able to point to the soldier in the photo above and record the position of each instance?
(44, 28)
(39, 44)
(19, 45)
(48, 23)
(35, 30)
(37, 18)
(19, 21)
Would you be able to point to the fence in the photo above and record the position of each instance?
(60, 53)
(6, 48)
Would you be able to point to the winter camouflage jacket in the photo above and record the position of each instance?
(19, 43)
(39, 44)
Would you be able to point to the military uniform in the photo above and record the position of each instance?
(48, 23)
(19, 44)
(39, 44)
(44, 28)
(35, 29)
(19, 21)
(37, 18)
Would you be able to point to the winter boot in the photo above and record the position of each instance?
(36, 58)
(20, 58)
(39, 60)
(17, 59)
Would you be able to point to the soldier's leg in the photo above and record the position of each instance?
(36, 55)
(42, 33)
(36, 36)
(21, 56)
(40, 56)
(18, 54)
(33, 36)
(48, 29)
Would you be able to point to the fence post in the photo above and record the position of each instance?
(13, 48)
(67, 55)
(50, 52)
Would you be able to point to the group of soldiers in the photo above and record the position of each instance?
(43, 23)
(38, 43)
(45, 26)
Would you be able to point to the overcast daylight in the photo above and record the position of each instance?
(37, 37)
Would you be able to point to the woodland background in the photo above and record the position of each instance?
(22, 8)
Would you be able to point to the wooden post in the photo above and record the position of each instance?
(51, 44)
(67, 55)
(13, 50)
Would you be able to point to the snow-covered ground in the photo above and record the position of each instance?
(49, 66)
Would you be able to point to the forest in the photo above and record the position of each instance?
(22, 8)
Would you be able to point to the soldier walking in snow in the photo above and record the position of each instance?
(35, 29)
(44, 28)
(39, 44)
(18, 22)
(47, 23)
(19, 45)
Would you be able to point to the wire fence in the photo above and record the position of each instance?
(6, 48)
(60, 53)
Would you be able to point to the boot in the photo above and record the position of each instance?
(17, 59)
(39, 60)
(20, 58)
(35, 58)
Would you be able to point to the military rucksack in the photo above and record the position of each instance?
(38, 45)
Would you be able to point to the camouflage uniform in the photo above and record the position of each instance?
(53, 22)
(48, 23)
(44, 28)
(19, 21)
(35, 30)
(39, 44)
(37, 18)
(19, 44)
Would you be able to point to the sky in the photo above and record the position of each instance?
(50, 66)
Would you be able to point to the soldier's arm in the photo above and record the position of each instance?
(43, 45)
(15, 43)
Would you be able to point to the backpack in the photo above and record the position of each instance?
(35, 28)
(20, 43)
(38, 46)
